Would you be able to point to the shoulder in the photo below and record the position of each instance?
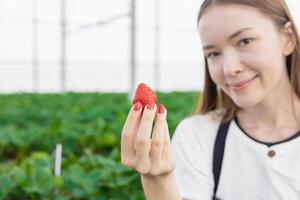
(200, 124)
(210, 119)
(198, 131)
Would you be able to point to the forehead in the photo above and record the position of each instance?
(223, 20)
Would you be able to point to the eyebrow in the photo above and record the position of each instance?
(229, 38)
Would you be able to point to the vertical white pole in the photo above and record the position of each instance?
(58, 152)
(63, 46)
(132, 49)
(35, 40)
(157, 46)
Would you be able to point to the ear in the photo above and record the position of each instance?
(289, 39)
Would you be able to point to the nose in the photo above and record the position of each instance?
(232, 64)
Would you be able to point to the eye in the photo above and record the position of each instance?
(212, 55)
(245, 41)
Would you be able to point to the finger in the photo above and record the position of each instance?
(157, 140)
(129, 132)
(167, 157)
(168, 161)
(143, 140)
(167, 140)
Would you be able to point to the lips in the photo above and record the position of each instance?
(241, 83)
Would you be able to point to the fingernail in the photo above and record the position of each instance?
(150, 106)
(137, 106)
(161, 108)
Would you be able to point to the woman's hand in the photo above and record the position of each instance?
(150, 155)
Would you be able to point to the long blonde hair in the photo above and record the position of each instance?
(278, 12)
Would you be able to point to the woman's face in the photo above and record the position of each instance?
(244, 52)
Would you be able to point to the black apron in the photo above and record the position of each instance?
(218, 154)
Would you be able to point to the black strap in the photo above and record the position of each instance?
(218, 153)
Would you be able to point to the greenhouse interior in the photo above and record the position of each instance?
(74, 75)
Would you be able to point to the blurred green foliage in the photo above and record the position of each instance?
(89, 126)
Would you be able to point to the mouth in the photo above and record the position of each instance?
(243, 85)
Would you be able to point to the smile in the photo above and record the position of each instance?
(243, 86)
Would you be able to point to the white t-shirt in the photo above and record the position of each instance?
(249, 171)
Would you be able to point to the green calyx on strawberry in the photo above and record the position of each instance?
(145, 95)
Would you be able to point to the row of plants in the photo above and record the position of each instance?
(88, 125)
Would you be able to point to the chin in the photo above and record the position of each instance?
(245, 102)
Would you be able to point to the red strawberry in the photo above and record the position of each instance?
(144, 95)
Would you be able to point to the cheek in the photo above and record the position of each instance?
(270, 63)
(215, 74)
(267, 55)
(263, 57)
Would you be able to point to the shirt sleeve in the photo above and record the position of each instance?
(193, 156)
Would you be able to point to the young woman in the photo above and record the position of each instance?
(244, 140)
